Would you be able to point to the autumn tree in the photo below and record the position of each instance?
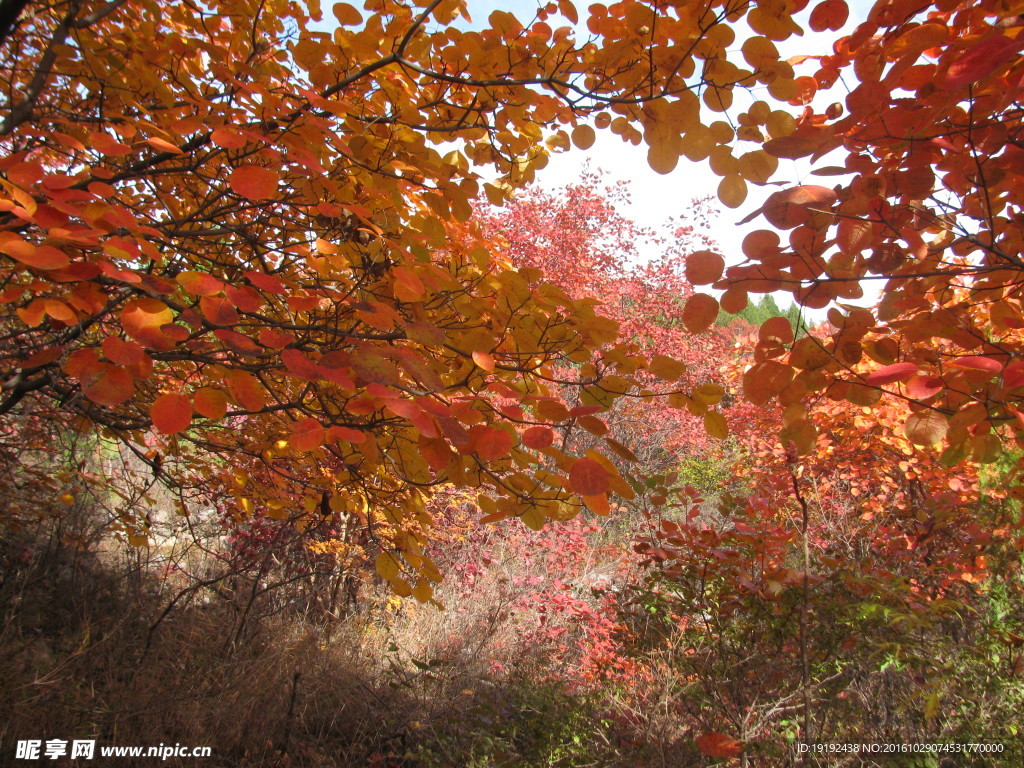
(226, 233)
(921, 106)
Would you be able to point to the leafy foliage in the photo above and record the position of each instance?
(248, 260)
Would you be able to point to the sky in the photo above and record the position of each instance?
(656, 198)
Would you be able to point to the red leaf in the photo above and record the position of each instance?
(977, 363)
(254, 182)
(923, 387)
(298, 364)
(238, 342)
(588, 478)
(891, 373)
(1013, 376)
(538, 438)
(106, 384)
(171, 413)
(266, 282)
(490, 443)
(982, 60)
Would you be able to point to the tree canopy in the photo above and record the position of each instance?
(241, 234)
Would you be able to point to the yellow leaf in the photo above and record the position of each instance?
(583, 136)
(422, 591)
(664, 145)
(533, 518)
(926, 427)
(387, 566)
(666, 368)
(732, 191)
(757, 167)
(346, 15)
(714, 425)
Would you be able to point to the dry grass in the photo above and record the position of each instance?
(90, 650)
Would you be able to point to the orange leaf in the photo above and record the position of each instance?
(734, 300)
(704, 267)
(218, 310)
(307, 435)
(211, 403)
(588, 478)
(484, 360)
(853, 235)
(171, 413)
(246, 390)
(732, 190)
(228, 139)
(38, 257)
(266, 282)
(123, 352)
(776, 329)
(598, 504)
(926, 427)
(789, 208)
(490, 443)
(25, 174)
(831, 14)
(163, 145)
(200, 283)
(346, 433)
(143, 319)
(108, 145)
(254, 182)
(715, 744)
(346, 15)
(699, 312)
(766, 380)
